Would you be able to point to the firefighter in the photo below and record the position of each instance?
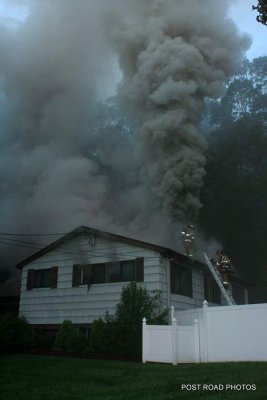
(223, 266)
(189, 240)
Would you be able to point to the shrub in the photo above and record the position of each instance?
(15, 333)
(79, 344)
(65, 335)
(68, 339)
(99, 337)
(121, 334)
(136, 303)
(43, 339)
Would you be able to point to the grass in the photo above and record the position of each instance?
(32, 377)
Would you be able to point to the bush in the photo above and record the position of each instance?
(135, 304)
(65, 335)
(15, 333)
(68, 339)
(79, 344)
(121, 334)
(99, 337)
(43, 339)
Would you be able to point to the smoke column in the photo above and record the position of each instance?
(172, 55)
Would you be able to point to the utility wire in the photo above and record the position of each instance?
(78, 253)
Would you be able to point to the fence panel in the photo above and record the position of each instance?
(187, 349)
(187, 317)
(157, 343)
(226, 333)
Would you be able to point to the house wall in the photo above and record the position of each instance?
(78, 304)
(83, 306)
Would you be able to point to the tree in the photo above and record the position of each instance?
(15, 333)
(262, 10)
(235, 189)
(125, 327)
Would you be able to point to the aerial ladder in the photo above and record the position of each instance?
(216, 275)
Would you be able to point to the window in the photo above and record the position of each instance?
(238, 293)
(82, 274)
(181, 280)
(114, 272)
(42, 278)
(110, 272)
(99, 273)
(211, 289)
(86, 274)
(128, 271)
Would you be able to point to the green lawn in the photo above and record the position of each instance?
(31, 377)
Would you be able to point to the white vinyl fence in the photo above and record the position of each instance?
(210, 334)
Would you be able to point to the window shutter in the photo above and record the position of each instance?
(76, 275)
(30, 279)
(53, 277)
(139, 269)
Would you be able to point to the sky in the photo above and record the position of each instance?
(245, 18)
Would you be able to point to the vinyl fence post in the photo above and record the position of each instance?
(205, 332)
(174, 341)
(197, 346)
(144, 341)
(172, 313)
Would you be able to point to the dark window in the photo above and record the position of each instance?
(181, 280)
(127, 271)
(86, 274)
(116, 271)
(99, 273)
(211, 289)
(238, 293)
(42, 278)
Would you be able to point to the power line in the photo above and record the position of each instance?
(33, 234)
(78, 253)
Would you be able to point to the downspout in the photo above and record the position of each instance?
(168, 281)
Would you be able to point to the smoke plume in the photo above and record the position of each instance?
(53, 177)
(173, 54)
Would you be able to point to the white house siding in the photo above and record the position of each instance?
(78, 304)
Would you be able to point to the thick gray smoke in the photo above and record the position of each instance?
(172, 54)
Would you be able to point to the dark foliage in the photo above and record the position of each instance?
(99, 337)
(120, 336)
(235, 190)
(262, 10)
(124, 329)
(43, 339)
(67, 338)
(15, 334)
